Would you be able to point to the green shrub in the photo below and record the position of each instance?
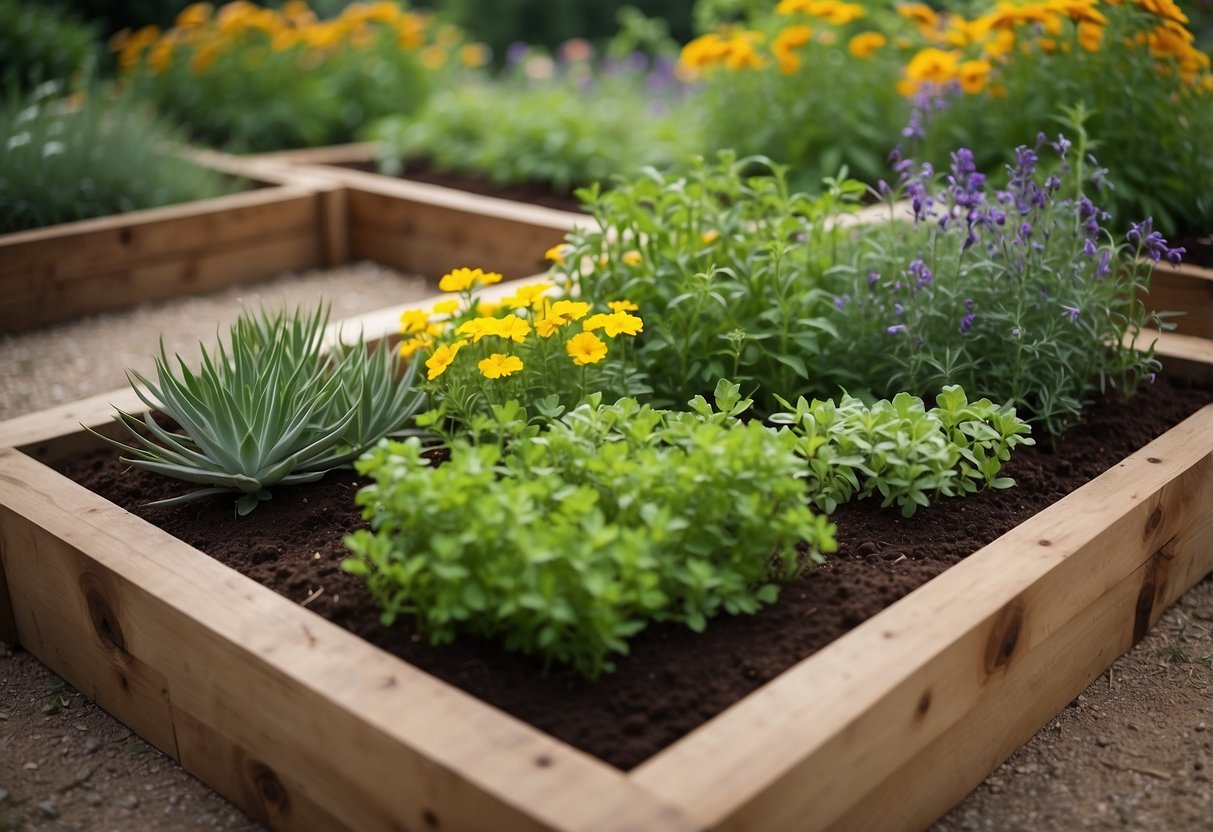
(41, 42)
(89, 155)
(574, 537)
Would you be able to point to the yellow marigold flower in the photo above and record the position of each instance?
(622, 306)
(1000, 44)
(512, 328)
(710, 236)
(702, 53)
(586, 348)
(474, 55)
(487, 308)
(433, 57)
(633, 258)
(442, 358)
(411, 345)
(973, 76)
(865, 44)
(414, 320)
(462, 279)
(445, 307)
(529, 296)
(548, 325)
(920, 13)
(1090, 36)
(615, 324)
(570, 310)
(789, 7)
(195, 14)
(793, 37)
(557, 253)
(934, 66)
(499, 366)
(477, 328)
(161, 56)
(840, 14)
(204, 58)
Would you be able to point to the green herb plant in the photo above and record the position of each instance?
(900, 451)
(567, 539)
(563, 124)
(733, 261)
(42, 42)
(91, 154)
(270, 408)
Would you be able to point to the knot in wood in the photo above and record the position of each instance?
(1004, 637)
(101, 614)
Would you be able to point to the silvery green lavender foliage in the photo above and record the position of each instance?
(1021, 295)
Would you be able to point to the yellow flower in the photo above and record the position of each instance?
(586, 348)
(559, 314)
(474, 55)
(528, 297)
(487, 308)
(973, 75)
(410, 346)
(615, 323)
(933, 65)
(195, 14)
(204, 57)
(414, 320)
(477, 328)
(622, 306)
(710, 236)
(865, 44)
(633, 258)
(499, 366)
(557, 253)
(547, 325)
(512, 328)
(788, 39)
(445, 307)
(459, 280)
(442, 358)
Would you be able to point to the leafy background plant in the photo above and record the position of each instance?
(90, 154)
(42, 43)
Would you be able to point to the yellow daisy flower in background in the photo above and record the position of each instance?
(615, 324)
(864, 45)
(512, 328)
(586, 348)
(445, 307)
(477, 328)
(557, 253)
(528, 297)
(412, 345)
(710, 236)
(414, 320)
(499, 366)
(462, 279)
(622, 306)
(442, 358)
(633, 258)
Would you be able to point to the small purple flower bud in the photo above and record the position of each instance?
(1071, 312)
(895, 329)
(1105, 264)
(1151, 377)
(873, 277)
(968, 304)
(966, 323)
(1088, 248)
(899, 310)
(841, 301)
(1016, 332)
(1175, 255)
(1052, 183)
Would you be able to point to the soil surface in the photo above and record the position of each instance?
(1134, 751)
(673, 680)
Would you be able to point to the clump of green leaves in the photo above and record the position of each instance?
(568, 539)
(901, 451)
(272, 407)
(732, 259)
(89, 155)
(564, 125)
(42, 42)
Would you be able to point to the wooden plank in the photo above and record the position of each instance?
(432, 239)
(8, 624)
(316, 716)
(1186, 356)
(1187, 289)
(337, 154)
(863, 709)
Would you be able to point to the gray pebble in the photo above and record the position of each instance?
(3, 795)
(91, 744)
(92, 799)
(1200, 726)
(128, 802)
(48, 809)
(1103, 742)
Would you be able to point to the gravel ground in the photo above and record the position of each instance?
(1135, 751)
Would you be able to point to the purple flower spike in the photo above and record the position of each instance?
(896, 329)
(966, 323)
(1071, 312)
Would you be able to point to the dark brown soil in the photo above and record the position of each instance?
(674, 680)
(532, 193)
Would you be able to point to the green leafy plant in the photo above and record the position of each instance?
(566, 540)
(901, 451)
(270, 408)
(89, 155)
(564, 124)
(42, 42)
(732, 259)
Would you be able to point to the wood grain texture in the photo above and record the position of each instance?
(67, 271)
(302, 723)
(815, 741)
(1186, 289)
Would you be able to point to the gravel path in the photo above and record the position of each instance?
(1135, 751)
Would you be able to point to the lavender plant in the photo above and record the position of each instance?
(1021, 294)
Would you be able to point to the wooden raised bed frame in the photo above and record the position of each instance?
(305, 726)
(297, 221)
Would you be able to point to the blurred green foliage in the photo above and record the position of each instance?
(41, 42)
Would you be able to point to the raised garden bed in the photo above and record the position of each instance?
(305, 725)
(291, 220)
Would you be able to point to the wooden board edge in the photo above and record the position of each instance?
(836, 712)
(160, 634)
